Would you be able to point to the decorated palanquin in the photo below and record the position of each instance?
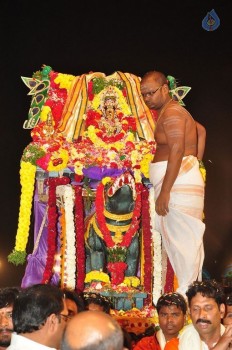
(85, 175)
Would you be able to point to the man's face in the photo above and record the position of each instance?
(228, 317)
(72, 307)
(151, 92)
(61, 325)
(171, 321)
(206, 315)
(6, 326)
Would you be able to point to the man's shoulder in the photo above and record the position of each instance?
(148, 343)
(19, 342)
(176, 108)
(189, 338)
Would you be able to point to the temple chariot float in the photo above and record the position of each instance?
(85, 188)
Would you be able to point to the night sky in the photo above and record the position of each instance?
(77, 37)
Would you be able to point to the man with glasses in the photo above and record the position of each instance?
(39, 317)
(7, 299)
(177, 180)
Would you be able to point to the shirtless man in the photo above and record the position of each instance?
(177, 181)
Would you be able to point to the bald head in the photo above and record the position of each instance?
(155, 76)
(92, 330)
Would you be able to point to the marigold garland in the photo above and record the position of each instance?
(27, 180)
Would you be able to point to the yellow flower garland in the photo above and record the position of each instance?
(27, 180)
(96, 276)
(119, 145)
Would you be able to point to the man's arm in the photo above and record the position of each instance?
(174, 129)
(225, 341)
(201, 137)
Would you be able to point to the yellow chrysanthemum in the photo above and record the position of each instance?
(131, 281)
(97, 276)
(44, 113)
(105, 180)
(144, 164)
(65, 80)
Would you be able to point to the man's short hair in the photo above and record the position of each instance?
(8, 296)
(169, 299)
(208, 288)
(34, 305)
(74, 296)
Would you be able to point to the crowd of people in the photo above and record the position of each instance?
(44, 316)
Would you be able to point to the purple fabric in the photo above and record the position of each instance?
(36, 261)
(97, 173)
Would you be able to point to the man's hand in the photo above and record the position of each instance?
(161, 204)
(225, 341)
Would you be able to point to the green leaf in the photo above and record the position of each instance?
(17, 257)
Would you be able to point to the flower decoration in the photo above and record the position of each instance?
(27, 180)
(157, 254)
(32, 153)
(97, 276)
(80, 230)
(52, 225)
(132, 281)
(202, 170)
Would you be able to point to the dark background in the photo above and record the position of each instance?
(76, 37)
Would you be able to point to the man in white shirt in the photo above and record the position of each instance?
(207, 308)
(39, 318)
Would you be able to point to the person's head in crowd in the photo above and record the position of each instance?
(92, 330)
(171, 309)
(40, 315)
(8, 296)
(74, 302)
(207, 308)
(97, 302)
(228, 314)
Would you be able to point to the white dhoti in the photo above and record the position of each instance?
(182, 228)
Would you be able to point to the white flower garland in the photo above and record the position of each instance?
(66, 194)
(157, 251)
